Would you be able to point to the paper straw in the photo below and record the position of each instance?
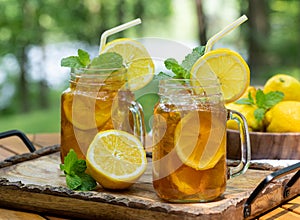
(223, 32)
(117, 29)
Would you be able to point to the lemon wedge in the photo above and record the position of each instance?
(116, 159)
(226, 66)
(140, 66)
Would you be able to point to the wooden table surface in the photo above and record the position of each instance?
(13, 145)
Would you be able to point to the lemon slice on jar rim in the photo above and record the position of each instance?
(227, 67)
(140, 66)
(116, 159)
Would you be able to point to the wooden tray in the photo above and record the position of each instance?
(34, 182)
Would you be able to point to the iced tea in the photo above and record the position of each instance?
(97, 100)
(189, 139)
(175, 179)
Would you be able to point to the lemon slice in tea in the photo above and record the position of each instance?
(116, 159)
(136, 57)
(200, 139)
(84, 112)
(226, 66)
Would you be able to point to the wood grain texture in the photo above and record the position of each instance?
(280, 214)
(266, 145)
(39, 186)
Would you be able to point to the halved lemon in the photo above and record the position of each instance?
(136, 57)
(116, 159)
(226, 66)
(200, 139)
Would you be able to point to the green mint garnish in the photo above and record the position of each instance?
(80, 61)
(191, 58)
(182, 71)
(108, 60)
(105, 60)
(175, 67)
(263, 102)
(74, 169)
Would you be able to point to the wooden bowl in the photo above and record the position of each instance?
(265, 145)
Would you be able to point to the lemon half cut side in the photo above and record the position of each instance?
(116, 159)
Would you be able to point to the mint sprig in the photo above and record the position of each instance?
(182, 71)
(263, 102)
(74, 170)
(82, 60)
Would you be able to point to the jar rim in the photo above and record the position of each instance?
(85, 72)
(182, 83)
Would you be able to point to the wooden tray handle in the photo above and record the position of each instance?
(264, 183)
(21, 135)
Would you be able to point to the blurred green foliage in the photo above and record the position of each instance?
(26, 24)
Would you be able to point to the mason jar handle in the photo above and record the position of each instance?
(245, 144)
(139, 129)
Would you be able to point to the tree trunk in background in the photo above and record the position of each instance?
(23, 85)
(43, 87)
(201, 23)
(259, 26)
(23, 60)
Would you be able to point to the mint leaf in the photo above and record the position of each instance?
(272, 98)
(79, 166)
(259, 114)
(191, 58)
(84, 57)
(73, 181)
(69, 162)
(74, 169)
(244, 101)
(260, 98)
(72, 61)
(182, 71)
(173, 65)
(87, 182)
(107, 60)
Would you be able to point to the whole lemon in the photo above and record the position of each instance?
(248, 112)
(283, 117)
(287, 84)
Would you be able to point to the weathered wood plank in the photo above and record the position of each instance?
(47, 139)
(15, 144)
(4, 153)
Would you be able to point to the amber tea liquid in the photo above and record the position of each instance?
(93, 103)
(173, 180)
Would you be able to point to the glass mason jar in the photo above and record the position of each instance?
(97, 100)
(189, 141)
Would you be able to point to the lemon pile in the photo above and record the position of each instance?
(282, 117)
